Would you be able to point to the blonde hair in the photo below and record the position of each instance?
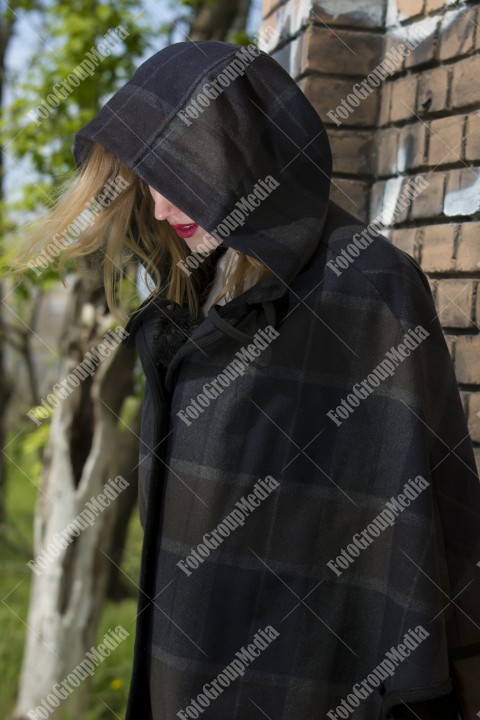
(108, 240)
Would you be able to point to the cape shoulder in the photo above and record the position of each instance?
(363, 263)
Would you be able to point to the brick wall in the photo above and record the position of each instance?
(417, 116)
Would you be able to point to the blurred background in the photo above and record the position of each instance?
(51, 469)
(421, 119)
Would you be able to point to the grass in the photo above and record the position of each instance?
(111, 680)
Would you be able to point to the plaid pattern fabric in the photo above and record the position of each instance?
(333, 481)
(276, 594)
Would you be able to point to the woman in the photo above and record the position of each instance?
(308, 491)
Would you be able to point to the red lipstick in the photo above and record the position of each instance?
(185, 231)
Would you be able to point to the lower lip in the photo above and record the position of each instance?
(186, 232)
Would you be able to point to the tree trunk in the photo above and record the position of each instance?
(214, 20)
(6, 30)
(82, 455)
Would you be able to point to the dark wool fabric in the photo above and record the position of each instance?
(311, 599)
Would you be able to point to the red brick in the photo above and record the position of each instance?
(386, 142)
(467, 353)
(293, 16)
(269, 37)
(342, 52)
(476, 454)
(411, 146)
(429, 203)
(453, 300)
(325, 93)
(407, 240)
(472, 149)
(392, 213)
(450, 340)
(351, 195)
(468, 256)
(464, 398)
(404, 92)
(352, 151)
(393, 39)
(445, 140)
(473, 415)
(385, 103)
(289, 17)
(432, 91)
(409, 8)
(376, 198)
(269, 5)
(462, 196)
(433, 5)
(457, 33)
(438, 248)
(361, 13)
(464, 84)
(398, 200)
(422, 35)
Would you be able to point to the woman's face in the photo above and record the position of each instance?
(184, 226)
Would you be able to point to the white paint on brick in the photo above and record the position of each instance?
(400, 164)
(366, 12)
(392, 13)
(425, 27)
(466, 200)
(291, 16)
(393, 188)
(295, 58)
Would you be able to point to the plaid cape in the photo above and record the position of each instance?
(307, 484)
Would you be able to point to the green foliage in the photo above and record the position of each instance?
(34, 443)
(239, 37)
(48, 109)
(51, 101)
(128, 411)
(112, 677)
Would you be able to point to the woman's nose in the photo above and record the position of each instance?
(163, 207)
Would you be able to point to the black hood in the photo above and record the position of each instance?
(215, 158)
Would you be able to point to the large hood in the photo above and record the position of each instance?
(225, 134)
